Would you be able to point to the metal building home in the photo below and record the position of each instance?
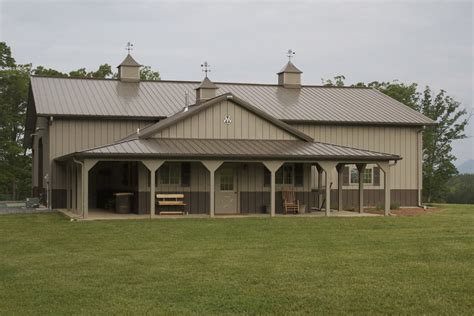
(220, 148)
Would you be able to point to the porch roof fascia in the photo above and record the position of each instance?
(235, 158)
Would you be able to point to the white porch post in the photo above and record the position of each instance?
(212, 166)
(152, 166)
(340, 173)
(87, 166)
(328, 166)
(361, 170)
(273, 167)
(385, 166)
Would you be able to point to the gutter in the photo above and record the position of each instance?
(82, 183)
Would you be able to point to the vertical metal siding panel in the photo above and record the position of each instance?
(172, 131)
(237, 122)
(195, 126)
(209, 123)
(187, 129)
(258, 128)
(245, 124)
(216, 128)
(231, 127)
(252, 125)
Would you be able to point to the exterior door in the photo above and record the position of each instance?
(226, 193)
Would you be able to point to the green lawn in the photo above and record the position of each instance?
(422, 264)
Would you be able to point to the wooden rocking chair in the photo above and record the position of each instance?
(290, 203)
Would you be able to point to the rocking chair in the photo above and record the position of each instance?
(290, 203)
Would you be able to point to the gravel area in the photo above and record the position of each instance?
(15, 209)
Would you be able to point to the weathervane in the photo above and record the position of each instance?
(206, 67)
(290, 53)
(129, 47)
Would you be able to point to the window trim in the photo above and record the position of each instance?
(292, 165)
(352, 168)
(176, 165)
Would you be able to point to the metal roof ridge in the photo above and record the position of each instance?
(198, 82)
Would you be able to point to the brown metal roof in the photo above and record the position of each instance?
(152, 99)
(291, 68)
(155, 128)
(206, 83)
(234, 149)
(129, 61)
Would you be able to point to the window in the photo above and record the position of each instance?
(285, 174)
(169, 173)
(354, 175)
(227, 179)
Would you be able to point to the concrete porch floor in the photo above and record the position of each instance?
(100, 214)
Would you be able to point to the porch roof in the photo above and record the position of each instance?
(235, 149)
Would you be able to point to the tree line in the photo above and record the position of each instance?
(15, 161)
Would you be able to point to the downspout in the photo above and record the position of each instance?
(82, 183)
(419, 162)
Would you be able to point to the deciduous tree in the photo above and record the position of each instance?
(451, 119)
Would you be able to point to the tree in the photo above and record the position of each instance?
(104, 71)
(15, 161)
(451, 121)
(438, 160)
(147, 73)
(460, 189)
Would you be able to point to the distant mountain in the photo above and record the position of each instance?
(466, 167)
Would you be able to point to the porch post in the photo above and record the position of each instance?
(212, 166)
(68, 185)
(73, 187)
(273, 167)
(385, 166)
(88, 165)
(328, 166)
(320, 184)
(361, 169)
(152, 166)
(340, 171)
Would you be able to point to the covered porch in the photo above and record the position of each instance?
(223, 185)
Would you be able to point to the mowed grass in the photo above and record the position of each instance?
(392, 265)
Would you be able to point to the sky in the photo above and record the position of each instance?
(427, 42)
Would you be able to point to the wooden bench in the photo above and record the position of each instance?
(174, 200)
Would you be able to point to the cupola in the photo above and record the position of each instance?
(290, 76)
(129, 69)
(206, 89)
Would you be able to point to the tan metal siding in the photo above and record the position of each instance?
(209, 124)
(402, 141)
(68, 136)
